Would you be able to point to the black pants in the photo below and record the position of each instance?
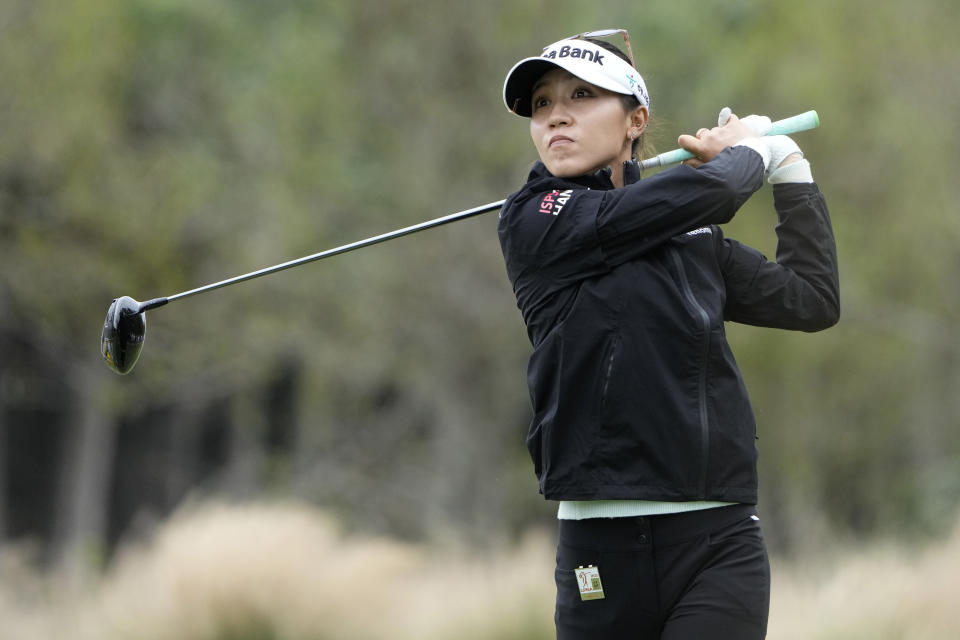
(701, 574)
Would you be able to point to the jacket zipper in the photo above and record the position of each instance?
(702, 379)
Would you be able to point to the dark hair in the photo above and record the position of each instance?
(630, 101)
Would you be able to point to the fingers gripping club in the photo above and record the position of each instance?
(801, 122)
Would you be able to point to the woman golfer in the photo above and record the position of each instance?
(642, 428)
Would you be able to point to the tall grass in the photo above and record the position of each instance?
(284, 571)
(882, 592)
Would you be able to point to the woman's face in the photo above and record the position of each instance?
(577, 127)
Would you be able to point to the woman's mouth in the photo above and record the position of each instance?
(559, 140)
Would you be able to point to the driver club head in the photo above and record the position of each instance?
(123, 332)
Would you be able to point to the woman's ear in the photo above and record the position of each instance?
(638, 122)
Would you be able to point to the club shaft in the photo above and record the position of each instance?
(429, 224)
(793, 124)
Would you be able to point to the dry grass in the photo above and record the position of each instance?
(883, 592)
(284, 571)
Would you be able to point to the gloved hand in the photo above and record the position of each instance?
(760, 124)
(780, 147)
(796, 170)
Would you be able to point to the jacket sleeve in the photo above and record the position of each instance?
(801, 290)
(568, 235)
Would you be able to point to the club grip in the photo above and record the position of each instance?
(793, 124)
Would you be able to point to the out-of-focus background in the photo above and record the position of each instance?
(338, 451)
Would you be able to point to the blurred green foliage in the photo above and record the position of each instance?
(152, 146)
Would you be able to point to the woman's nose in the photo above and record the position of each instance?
(559, 117)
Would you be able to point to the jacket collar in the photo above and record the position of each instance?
(599, 180)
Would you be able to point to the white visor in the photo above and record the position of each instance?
(587, 61)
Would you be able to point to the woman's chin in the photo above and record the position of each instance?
(568, 169)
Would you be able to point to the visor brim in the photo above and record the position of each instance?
(518, 87)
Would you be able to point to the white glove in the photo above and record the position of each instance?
(794, 172)
(773, 149)
(780, 147)
(760, 124)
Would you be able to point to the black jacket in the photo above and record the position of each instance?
(624, 292)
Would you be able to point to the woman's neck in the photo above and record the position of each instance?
(616, 169)
(616, 174)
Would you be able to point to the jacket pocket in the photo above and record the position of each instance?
(611, 353)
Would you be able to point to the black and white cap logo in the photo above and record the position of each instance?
(583, 59)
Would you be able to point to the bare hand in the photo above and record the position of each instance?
(708, 143)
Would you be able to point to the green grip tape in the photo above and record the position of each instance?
(793, 124)
(797, 123)
(669, 157)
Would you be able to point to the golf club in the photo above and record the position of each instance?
(125, 325)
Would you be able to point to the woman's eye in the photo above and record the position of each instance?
(581, 93)
(539, 102)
